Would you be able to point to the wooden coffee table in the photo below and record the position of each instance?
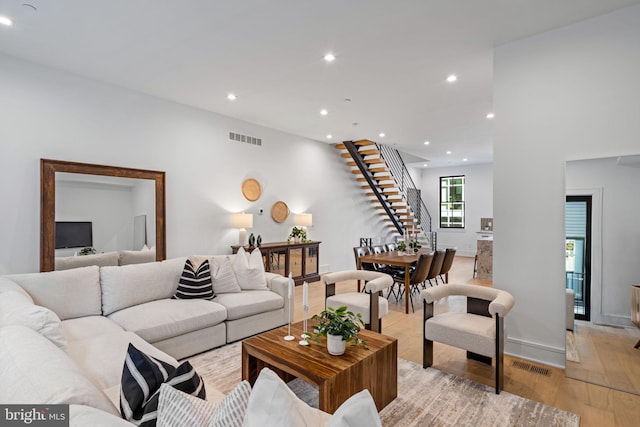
(337, 377)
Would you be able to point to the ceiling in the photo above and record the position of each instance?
(389, 75)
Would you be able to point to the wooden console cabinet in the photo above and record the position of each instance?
(301, 259)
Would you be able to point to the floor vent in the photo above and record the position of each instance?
(233, 136)
(531, 368)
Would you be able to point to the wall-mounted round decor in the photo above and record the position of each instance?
(279, 211)
(251, 189)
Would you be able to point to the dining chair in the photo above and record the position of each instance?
(436, 266)
(449, 255)
(479, 331)
(369, 304)
(359, 251)
(417, 278)
(391, 247)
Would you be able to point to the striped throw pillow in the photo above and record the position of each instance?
(142, 376)
(195, 282)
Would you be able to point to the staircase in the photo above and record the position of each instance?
(385, 180)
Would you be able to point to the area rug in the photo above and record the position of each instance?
(425, 396)
(572, 349)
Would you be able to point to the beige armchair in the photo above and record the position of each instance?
(480, 330)
(370, 303)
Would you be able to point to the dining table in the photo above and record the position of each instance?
(396, 259)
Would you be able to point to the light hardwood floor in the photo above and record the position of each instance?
(596, 405)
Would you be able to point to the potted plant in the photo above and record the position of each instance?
(298, 234)
(415, 245)
(402, 246)
(87, 251)
(340, 327)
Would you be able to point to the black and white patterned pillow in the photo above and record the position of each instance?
(142, 376)
(195, 282)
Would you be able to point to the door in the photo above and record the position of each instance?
(578, 253)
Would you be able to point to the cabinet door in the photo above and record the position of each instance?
(295, 261)
(311, 260)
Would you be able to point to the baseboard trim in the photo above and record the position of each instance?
(536, 352)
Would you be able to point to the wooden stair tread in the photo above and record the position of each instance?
(374, 161)
(364, 142)
(361, 179)
(345, 155)
(369, 152)
(351, 163)
(378, 169)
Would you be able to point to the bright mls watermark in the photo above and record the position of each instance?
(34, 415)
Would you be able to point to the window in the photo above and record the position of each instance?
(452, 201)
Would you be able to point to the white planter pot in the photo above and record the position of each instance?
(336, 345)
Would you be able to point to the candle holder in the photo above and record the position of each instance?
(305, 309)
(290, 337)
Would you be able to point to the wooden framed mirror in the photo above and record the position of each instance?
(48, 169)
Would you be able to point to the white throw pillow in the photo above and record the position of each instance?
(272, 403)
(15, 309)
(223, 278)
(249, 270)
(177, 409)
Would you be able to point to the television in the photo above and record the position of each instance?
(74, 234)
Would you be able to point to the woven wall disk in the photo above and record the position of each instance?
(251, 189)
(279, 211)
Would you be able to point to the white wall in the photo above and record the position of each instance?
(563, 95)
(478, 204)
(57, 115)
(619, 249)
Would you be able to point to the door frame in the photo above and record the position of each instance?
(586, 277)
(596, 249)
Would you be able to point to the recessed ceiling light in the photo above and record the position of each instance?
(323, 112)
(329, 136)
(381, 134)
(490, 115)
(232, 97)
(329, 57)
(6, 21)
(425, 165)
(426, 143)
(465, 159)
(452, 78)
(448, 152)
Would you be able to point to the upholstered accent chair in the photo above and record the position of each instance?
(369, 303)
(479, 331)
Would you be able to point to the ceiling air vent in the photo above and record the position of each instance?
(245, 138)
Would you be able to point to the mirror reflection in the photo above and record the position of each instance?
(601, 256)
(100, 215)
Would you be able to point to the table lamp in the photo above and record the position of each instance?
(242, 221)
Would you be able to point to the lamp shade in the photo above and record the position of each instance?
(242, 220)
(304, 219)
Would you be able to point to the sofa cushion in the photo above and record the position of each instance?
(136, 257)
(88, 327)
(167, 318)
(17, 309)
(101, 358)
(249, 269)
(142, 376)
(248, 303)
(7, 285)
(195, 282)
(34, 370)
(101, 260)
(223, 278)
(69, 293)
(130, 285)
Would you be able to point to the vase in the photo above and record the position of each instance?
(400, 253)
(252, 240)
(336, 345)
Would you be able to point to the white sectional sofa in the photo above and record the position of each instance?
(64, 334)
